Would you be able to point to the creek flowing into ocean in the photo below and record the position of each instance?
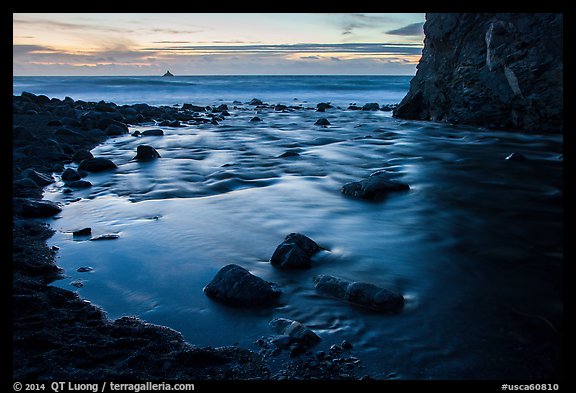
(475, 246)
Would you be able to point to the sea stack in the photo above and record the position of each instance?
(168, 73)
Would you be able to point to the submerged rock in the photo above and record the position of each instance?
(359, 293)
(236, 286)
(106, 236)
(516, 157)
(255, 119)
(374, 187)
(84, 269)
(255, 101)
(97, 164)
(289, 153)
(295, 330)
(322, 122)
(146, 153)
(295, 252)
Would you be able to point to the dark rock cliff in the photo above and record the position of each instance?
(493, 70)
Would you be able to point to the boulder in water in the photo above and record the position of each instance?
(146, 153)
(295, 252)
(236, 286)
(359, 293)
(374, 187)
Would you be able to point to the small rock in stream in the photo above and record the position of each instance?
(295, 252)
(359, 293)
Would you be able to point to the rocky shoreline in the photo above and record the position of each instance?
(56, 334)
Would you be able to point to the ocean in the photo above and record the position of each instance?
(475, 246)
(156, 90)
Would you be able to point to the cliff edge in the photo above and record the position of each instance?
(500, 70)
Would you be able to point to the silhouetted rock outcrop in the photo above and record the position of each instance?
(498, 70)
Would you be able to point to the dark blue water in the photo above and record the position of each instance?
(475, 246)
(157, 90)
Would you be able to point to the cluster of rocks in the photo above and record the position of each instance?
(51, 133)
(56, 335)
(236, 286)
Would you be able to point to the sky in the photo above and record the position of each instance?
(217, 43)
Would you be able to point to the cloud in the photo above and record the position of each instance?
(310, 57)
(351, 22)
(58, 25)
(359, 48)
(19, 50)
(414, 29)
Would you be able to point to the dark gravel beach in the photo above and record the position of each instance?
(58, 335)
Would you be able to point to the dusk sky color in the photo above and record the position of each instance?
(217, 44)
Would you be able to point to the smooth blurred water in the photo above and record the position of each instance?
(475, 245)
(157, 90)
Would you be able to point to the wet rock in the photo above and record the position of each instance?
(516, 157)
(359, 293)
(236, 286)
(154, 132)
(289, 153)
(375, 187)
(280, 107)
(297, 332)
(54, 123)
(373, 106)
(116, 128)
(255, 119)
(68, 135)
(70, 174)
(82, 232)
(81, 155)
(322, 122)
(35, 208)
(295, 252)
(78, 184)
(26, 187)
(136, 133)
(103, 106)
(255, 101)
(39, 178)
(354, 108)
(388, 107)
(77, 283)
(97, 164)
(322, 106)
(220, 108)
(106, 236)
(20, 133)
(84, 269)
(193, 108)
(146, 153)
(346, 345)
